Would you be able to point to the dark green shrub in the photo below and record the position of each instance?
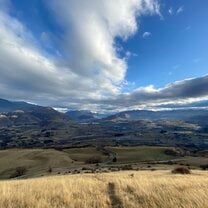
(204, 167)
(181, 170)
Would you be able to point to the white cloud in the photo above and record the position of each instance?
(170, 11)
(173, 11)
(146, 34)
(91, 28)
(180, 9)
(90, 67)
(25, 70)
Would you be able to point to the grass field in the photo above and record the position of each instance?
(81, 154)
(135, 189)
(140, 153)
(36, 161)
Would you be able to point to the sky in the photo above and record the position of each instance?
(105, 55)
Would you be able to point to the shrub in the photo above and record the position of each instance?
(204, 167)
(50, 169)
(94, 160)
(174, 152)
(181, 170)
(19, 171)
(127, 167)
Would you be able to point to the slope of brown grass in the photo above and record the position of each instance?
(142, 189)
(36, 161)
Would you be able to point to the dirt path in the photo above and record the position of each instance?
(115, 200)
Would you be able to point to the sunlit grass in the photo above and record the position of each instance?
(126, 189)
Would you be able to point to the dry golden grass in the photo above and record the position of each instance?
(142, 189)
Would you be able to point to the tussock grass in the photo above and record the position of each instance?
(144, 189)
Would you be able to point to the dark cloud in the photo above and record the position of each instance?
(186, 91)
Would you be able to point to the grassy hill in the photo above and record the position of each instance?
(38, 161)
(157, 189)
(140, 153)
(41, 162)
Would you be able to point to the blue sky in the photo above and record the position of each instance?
(97, 54)
(177, 48)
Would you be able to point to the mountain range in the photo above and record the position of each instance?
(192, 115)
(25, 112)
(20, 113)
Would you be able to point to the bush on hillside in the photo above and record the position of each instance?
(181, 170)
(50, 170)
(19, 171)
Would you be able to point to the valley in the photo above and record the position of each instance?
(41, 141)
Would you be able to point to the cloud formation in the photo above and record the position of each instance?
(87, 72)
(178, 93)
(180, 9)
(88, 65)
(170, 11)
(146, 34)
(91, 28)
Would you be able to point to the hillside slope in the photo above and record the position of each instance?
(158, 189)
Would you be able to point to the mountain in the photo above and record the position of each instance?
(22, 113)
(186, 115)
(37, 115)
(8, 106)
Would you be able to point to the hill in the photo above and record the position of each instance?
(153, 189)
(22, 113)
(37, 162)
